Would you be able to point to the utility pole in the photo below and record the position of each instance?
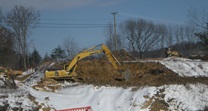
(115, 35)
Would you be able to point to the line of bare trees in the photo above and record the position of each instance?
(20, 20)
(137, 36)
(140, 36)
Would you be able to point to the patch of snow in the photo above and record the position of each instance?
(34, 78)
(186, 67)
(29, 71)
(188, 97)
(52, 64)
(99, 98)
(16, 98)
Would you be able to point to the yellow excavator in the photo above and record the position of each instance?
(170, 53)
(69, 69)
(7, 76)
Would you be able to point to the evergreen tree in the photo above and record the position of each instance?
(34, 58)
(58, 53)
(203, 36)
(46, 57)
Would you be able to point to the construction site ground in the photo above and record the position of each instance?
(100, 72)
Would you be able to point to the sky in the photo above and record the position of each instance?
(85, 21)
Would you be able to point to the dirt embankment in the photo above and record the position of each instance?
(101, 72)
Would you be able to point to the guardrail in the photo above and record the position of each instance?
(87, 108)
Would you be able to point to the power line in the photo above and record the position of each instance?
(61, 24)
(58, 19)
(45, 26)
(68, 25)
(72, 27)
(88, 24)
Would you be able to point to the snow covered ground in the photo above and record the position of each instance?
(188, 97)
(179, 97)
(186, 67)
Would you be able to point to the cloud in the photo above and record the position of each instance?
(46, 4)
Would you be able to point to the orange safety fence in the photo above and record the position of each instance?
(87, 108)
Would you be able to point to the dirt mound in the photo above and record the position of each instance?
(101, 72)
(47, 85)
(123, 55)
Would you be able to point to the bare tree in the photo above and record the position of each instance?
(189, 33)
(183, 33)
(21, 19)
(7, 53)
(198, 18)
(164, 33)
(141, 35)
(169, 38)
(109, 36)
(177, 33)
(1, 17)
(71, 47)
(110, 42)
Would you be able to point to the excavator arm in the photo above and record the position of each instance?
(69, 69)
(94, 50)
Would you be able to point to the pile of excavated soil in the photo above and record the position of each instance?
(101, 72)
(123, 55)
(47, 85)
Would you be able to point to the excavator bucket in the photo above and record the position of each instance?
(124, 76)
